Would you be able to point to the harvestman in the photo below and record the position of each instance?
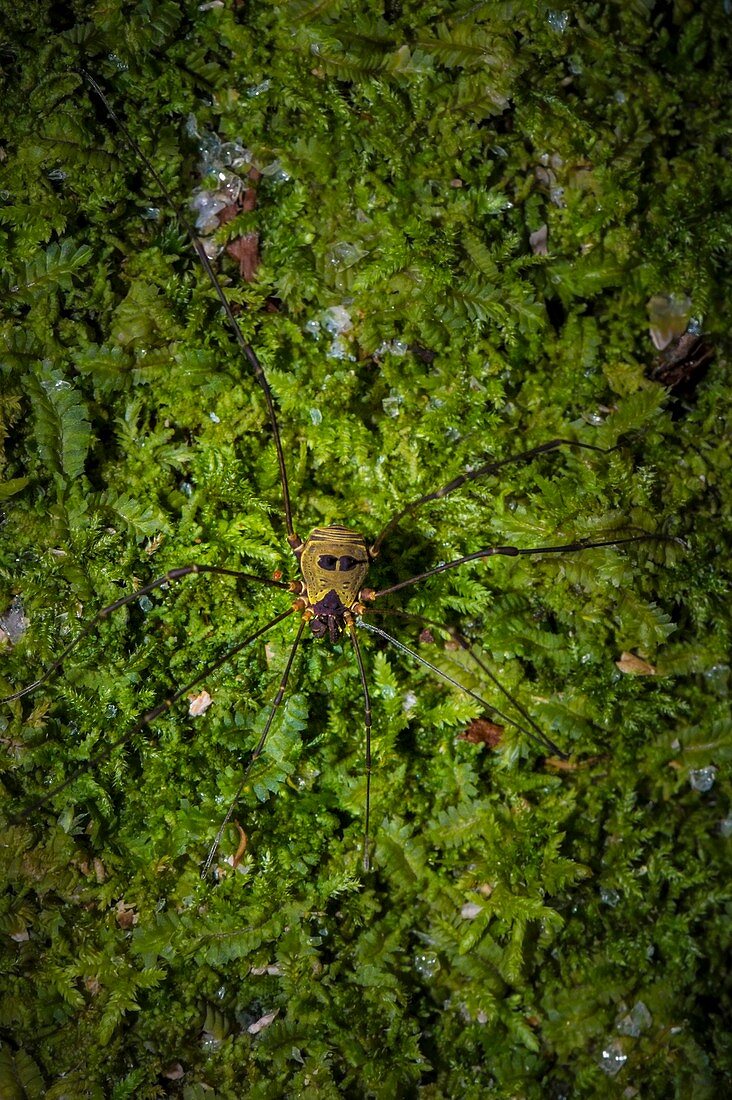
(334, 561)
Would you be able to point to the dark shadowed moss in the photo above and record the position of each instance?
(518, 912)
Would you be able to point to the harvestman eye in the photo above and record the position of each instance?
(351, 617)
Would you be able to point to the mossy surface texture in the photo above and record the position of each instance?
(530, 927)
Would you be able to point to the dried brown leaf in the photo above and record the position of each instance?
(632, 665)
(482, 732)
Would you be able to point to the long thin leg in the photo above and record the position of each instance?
(367, 725)
(540, 737)
(473, 475)
(465, 645)
(106, 751)
(257, 752)
(171, 575)
(246, 348)
(512, 552)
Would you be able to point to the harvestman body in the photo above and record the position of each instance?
(334, 562)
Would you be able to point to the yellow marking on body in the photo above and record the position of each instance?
(334, 559)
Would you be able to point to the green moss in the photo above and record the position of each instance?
(516, 912)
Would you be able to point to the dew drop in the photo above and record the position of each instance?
(338, 349)
(337, 320)
(426, 964)
(637, 1020)
(234, 155)
(717, 676)
(410, 701)
(558, 21)
(13, 623)
(391, 405)
(259, 89)
(702, 779)
(613, 1058)
(344, 255)
(276, 172)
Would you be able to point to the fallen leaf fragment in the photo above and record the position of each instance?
(237, 857)
(245, 250)
(199, 704)
(174, 1072)
(633, 665)
(561, 765)
(126, 915)
(262, 1022)
(538, 241)
(482, 732)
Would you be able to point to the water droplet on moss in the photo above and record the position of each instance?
(13, 623)
(702, 779)
(718, 679)
(259, 89)
(337, 320)
(276, 172)
(637, 1020)
(234, 155)
(613, 1058)
(344, 255)
(426, 964)
(668, 316)
(558, 21)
